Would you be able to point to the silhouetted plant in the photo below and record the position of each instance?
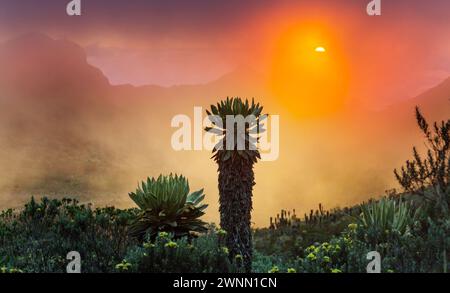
(429, 176)
(236, 177)
(166, 205)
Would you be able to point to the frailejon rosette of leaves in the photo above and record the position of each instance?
(386, 218)
(166, 204)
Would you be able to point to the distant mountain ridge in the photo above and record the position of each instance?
(34, 62)
(434, 103)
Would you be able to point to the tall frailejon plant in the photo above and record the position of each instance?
(235, 166)
(167, 206)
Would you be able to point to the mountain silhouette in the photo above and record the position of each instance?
(37, 66)
(35, 63)
(434, 101)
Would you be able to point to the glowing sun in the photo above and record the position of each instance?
(320, 50)
(309, 72)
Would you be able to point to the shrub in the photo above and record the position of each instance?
(411, 251)
(38, 238)
(169, 255)
(430, 176)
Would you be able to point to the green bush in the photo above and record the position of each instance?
(38, 238)
(408, 251)
(168, 255)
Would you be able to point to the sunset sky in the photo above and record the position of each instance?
(188, 42)
(316, 63)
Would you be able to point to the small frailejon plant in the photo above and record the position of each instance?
(385, 216)
(166, 205)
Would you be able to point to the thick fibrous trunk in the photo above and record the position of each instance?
(236, 180)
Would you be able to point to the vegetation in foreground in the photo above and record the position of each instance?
(411, 230)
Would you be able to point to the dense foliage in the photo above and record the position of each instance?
(168, 255)
(38, 237)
